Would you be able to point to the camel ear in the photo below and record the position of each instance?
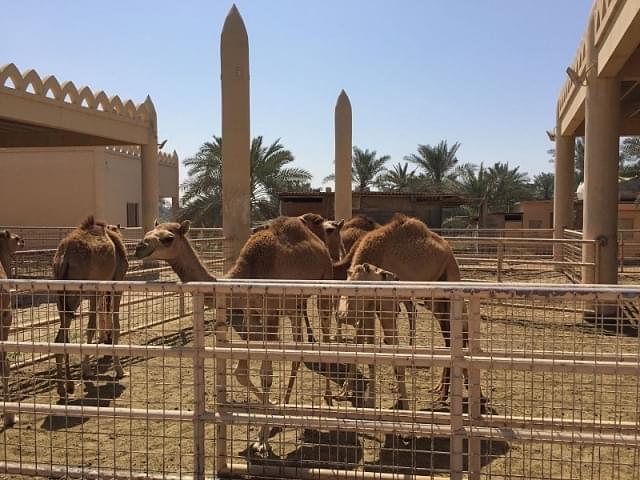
(340, 224)
(184, 227)
(155, 223)
(119, 226)
(366, 267)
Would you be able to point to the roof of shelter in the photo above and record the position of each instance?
(615, 24)
(44, 112)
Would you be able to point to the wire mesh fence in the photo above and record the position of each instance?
(255, 378)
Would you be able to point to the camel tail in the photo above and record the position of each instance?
(60, 272)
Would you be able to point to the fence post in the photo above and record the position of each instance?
(198, 387)
(500, 253)
(221, 383)
(457, 360)
(475, 392)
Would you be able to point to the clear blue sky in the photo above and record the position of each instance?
(485, 73)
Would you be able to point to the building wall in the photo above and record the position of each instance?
(122, 184)
(536, 214)
(46, 186)
(61, 186)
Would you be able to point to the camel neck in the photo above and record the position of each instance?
(188, 266)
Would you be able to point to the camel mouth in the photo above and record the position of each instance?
(143, 250)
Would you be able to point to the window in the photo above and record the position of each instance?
(535, 223)
(132, 215)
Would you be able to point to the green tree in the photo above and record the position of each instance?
(543, 186)
(399, 179)
(437, 163)
(508, 186)
(202, 199)
(366, 167)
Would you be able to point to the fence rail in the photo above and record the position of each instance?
(553, 374)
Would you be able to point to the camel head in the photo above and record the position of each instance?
(315, 223)
(370, 273)
(348, 310)
(162, 243)
(10, 242)
(334, 240)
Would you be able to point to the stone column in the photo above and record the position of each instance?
(149, 165)
(600, 215)
(236, 165)
(343, 148)
(175, 206)
(563, 191)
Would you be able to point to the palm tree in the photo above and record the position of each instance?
(543, 185)
(202, 199)
(365, 169)
(508, 186)
(436, 163)
(399, 179)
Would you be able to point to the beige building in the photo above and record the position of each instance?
(599, 100)
(59, 186)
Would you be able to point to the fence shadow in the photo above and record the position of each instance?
(100, 396)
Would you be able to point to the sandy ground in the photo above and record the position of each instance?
(158, 447)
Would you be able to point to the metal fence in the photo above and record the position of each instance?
(545, 382)
(523, 259)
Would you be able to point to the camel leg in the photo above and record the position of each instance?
(67, 305)
(246, 332)
(115, 331)
(326, 308)
(8, 419)
(262, 447)
(412, 313)
(441, 310)
(389, 324)
(94, 305)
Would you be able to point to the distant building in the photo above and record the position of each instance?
(381, 206)
(54, 187)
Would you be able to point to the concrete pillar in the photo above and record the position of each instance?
(343, 146)
(149, 164)
(563, 191)
(236, 165)
(600, 214)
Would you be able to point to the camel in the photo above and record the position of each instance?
(289, 248)
(8, 245)
(92, 251)
(408, 248)
(356, 228)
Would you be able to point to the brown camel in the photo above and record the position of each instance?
(355, 229)
(8, 245)
(289, 248)
(408, 248)
(93, 251)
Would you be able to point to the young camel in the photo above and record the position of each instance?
(288, 248)
(408, 248)
(8, 245)
(92, 251)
